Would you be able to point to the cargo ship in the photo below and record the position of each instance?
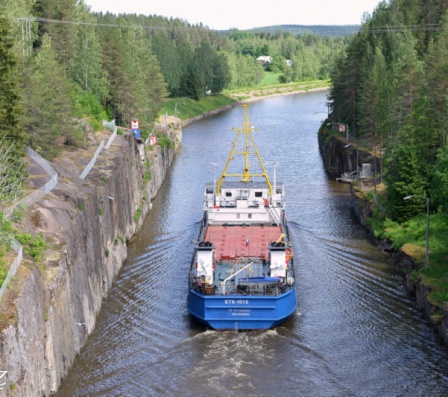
(242, 272)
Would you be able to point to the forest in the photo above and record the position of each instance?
(390, 86)
(61, 65)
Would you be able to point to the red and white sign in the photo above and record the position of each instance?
(135, 124)
(153, 140)
(341, 127)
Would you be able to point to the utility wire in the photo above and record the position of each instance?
(379, 29)
(113, 25)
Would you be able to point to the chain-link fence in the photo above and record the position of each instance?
(26, 202)
(41, 192)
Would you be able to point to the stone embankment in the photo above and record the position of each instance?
(338, 158)
(51, 306)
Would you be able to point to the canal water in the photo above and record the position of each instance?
(355, 331)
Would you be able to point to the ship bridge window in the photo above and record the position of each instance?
(258, 194)
(228, 194)
(279, 190)
(209, 190)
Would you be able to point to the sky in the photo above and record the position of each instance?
(245, 14)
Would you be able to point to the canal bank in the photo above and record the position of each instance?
(51, 305)
(340, 156)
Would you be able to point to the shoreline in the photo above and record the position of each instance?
(187, 122)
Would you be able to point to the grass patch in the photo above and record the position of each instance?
(188, 108)
(410, 237)
(97, 125)
(270, 78)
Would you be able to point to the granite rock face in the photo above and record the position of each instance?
(51, 308)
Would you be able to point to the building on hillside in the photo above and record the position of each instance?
(266, 59)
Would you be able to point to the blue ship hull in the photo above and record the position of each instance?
(239, 312)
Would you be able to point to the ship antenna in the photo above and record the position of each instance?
(249, 143)
(275, 177)
(214, 182)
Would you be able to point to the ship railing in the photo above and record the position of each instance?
(223, 283)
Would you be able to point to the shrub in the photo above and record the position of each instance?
(32, 245)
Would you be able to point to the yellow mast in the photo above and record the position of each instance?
(245, 176)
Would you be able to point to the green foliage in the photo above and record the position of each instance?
(147, 176)
(13, 172)
(270, 78)
(138, 214)
(5, 231)
(106, 252)
(85, 103)
(32, 245)
(10, 104)
(12, 135)
(245, 71)
(163, 141)
(5, 244)
(405, 177)
(186, 108)
(48, 103)
(439, 183)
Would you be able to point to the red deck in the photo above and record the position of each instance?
(233, 241)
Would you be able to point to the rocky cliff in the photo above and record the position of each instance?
(339, 156)
(51, 307)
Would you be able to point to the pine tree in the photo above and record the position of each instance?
(12, 136)
(85, 62)
(404, 177)
(10, 109)
(49, 108)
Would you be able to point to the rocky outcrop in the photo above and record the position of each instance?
(339, 156)
(51, 307)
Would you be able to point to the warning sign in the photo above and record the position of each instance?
(342, 127)
(153, 140)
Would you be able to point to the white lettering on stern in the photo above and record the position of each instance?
(236, 302)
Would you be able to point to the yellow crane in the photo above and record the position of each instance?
(249, 148)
